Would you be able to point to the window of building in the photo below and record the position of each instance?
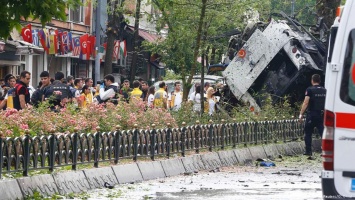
(77, 14)
(347, 90)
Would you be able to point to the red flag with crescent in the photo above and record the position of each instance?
(26, 33)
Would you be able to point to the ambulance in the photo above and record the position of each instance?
(338, 142)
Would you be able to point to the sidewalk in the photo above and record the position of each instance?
(83, 180)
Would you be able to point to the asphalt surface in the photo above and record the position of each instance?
(292, 178)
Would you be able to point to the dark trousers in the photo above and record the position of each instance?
(310, 124)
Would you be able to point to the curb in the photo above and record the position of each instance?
(84, 180)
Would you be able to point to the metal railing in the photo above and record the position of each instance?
(26, 153)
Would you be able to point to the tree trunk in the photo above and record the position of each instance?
(135, 43)
(198, 42)
(327, 9)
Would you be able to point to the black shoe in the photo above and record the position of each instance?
(307, 154)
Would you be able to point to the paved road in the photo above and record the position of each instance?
(292, 178)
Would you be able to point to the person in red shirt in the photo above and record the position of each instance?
(22, 94)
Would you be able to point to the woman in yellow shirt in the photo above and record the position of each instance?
(84, 96)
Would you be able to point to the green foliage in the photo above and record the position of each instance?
(304, 10)
(171, 75)
(12, 12)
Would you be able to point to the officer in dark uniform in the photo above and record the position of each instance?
(314, 103)
(58, 93)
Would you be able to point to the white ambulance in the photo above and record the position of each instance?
(338, 143)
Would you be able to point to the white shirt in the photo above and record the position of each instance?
(150, 100)
(177, 100)
(192, 96)
(104, 95)
(211, 103)
(197, 102)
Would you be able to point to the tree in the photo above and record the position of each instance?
(327, 9)
(185, 20)
(13, 11)
(114, 29)
(135, 42)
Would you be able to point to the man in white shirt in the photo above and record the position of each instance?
(175, 97)
(108, 92)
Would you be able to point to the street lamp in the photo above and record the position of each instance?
(2, 46)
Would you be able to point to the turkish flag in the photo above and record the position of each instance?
(26, 33)
(92, 44)
(84, 47)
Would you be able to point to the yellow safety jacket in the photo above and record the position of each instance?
(136, 93)
(159, 98)
(173, 95)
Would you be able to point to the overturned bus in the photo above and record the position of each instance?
(277, 59)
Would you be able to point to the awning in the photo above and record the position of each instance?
(22, 47)
(158, 65)
(150, 37)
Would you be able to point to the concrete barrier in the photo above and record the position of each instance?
(228, 158)
(173, 167)
(81, 181)
(128, 173)
(10, 190)
(317, 145)
(271, 151)
(71, 182)
(257, 152)
(193, 163)
(44, 184)
(243, 156)
(151, 170)
(211, 160)
(99, 176)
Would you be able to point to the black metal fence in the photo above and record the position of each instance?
(50, 151)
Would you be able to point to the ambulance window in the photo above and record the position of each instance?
(347, 90)
(333, 34)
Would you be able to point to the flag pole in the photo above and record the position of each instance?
(97, 48)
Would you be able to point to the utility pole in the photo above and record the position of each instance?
(98, 37)
(292, 9)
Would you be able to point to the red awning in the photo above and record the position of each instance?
(147, 36)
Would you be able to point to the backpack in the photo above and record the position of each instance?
(36, 97)
(72, 90)
(63, 88)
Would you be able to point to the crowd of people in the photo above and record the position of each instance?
(15, 92)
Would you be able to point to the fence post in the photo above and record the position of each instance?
(1, 152)
(223, 129)
(245, 128)
(75, 149)
(135, 142)
(152, 142)
(183, 139)
(284, 128)
(266, 129)
(235, 133)
(256, 132)
(117, 143)
(168, 138)
(51, 150)
(26, 155)
(210, 135)
(97, 147)
(197, 137)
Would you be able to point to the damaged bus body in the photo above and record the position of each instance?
(277, 58)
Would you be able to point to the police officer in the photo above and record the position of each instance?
(58, 93)
(314, 103)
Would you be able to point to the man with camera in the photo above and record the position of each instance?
(108, 89)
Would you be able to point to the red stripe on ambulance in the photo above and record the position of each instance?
(345, 120)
